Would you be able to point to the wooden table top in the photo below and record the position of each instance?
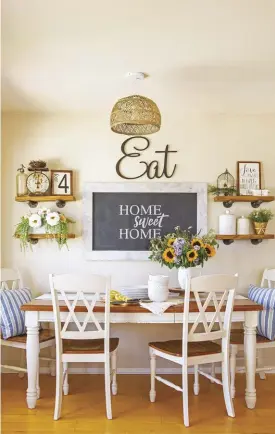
(240, 305)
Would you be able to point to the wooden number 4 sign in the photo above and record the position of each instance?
(62, 182)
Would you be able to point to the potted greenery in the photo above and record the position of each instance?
(184, 251)
(44, 221)
(260, 218)
(225, 191)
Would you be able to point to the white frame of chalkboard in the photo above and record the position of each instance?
(147, 187)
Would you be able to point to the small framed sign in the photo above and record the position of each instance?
(62, 182)
(248, 176)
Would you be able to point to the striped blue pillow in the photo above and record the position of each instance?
(12, 318)
(266, 318)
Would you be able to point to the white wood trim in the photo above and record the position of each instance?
(138, 187)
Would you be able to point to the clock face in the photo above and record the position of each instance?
(38, 183)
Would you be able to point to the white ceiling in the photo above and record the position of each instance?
(201, 55)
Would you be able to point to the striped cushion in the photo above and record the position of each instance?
(266, 318)
(12, 318)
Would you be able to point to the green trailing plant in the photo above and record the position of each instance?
(262, 215)
(54, 223)
(226, 191)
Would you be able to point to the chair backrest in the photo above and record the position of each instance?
(82, 289)
(217, 293)
(11, 279)
(269, 275)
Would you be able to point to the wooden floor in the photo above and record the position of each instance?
(84, 408)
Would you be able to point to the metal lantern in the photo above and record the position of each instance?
(225, 181)
(135, 115)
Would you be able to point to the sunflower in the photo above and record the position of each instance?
(191, 255)
(197, 242)
(168, 255)
(210, 250)
(170, 242)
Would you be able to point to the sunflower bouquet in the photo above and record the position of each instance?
(52, 223)
(182, 249)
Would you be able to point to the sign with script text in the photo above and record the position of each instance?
(126, 221)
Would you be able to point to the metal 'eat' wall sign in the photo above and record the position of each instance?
(153, 169)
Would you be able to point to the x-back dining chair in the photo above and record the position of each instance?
(11, 280)
(262, 343)
(82, 344)
(197, 347)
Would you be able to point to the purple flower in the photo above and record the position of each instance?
(180, 241)
(196, 247)
(178, 250)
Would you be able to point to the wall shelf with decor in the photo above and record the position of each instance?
(34, 238)
(255, 239)
(255, 201)
(33, 200)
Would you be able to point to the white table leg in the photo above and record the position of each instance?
(250, 357)
(32, 326)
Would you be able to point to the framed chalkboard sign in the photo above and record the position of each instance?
(120, 219)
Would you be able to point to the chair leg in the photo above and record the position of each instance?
(108, 389)
(58, 391)
(226, 387)
(65, 379)
(260, 364)
(232, 362)
(213, 371)
(22, 363)
(153, 374)
(185, 395)
(37, 382)
(196, 380)
(52, 362)
(113, 367)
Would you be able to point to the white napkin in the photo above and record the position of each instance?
(158, 307)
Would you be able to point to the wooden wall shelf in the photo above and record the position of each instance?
(255, 239)
(35, 237)
(255, 201)
(33, 200)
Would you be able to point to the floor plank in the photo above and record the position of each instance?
(84, 408)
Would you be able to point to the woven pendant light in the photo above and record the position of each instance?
(135, 115)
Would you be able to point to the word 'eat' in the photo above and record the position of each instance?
(153, 168)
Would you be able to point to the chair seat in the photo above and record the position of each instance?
(44, 335)
(174, 348)
(237, 338)
(88, 346)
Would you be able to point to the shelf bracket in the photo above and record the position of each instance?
(60, 203)
(256, 203)
(257, 241)
(228, 242)
(32, 203)
(228, 203)
(33, 240)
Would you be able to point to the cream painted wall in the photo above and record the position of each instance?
(206, 144)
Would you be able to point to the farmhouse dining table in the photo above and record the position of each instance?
(41, 310)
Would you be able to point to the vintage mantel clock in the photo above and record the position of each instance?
(37, 182)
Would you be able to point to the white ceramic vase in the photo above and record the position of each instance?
(187, 273)
(158, 288)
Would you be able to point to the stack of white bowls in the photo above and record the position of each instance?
(158, 288)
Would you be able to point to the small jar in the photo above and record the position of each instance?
(243, 226)
(227, 224)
